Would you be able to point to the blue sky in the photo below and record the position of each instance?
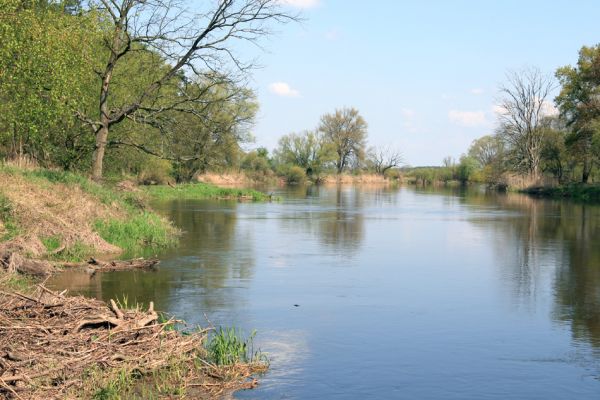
(424, 74)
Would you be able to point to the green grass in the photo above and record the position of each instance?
(578, 191)
(142, 231)
(6, 216)
(51, 243)
(74, 253)
(137, 234)
(228, 346)
(203, 191)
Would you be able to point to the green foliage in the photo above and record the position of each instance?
(309, 151)
(257, 164)
(346, 131)
(465, 169)
(45, 72)
(578, 104)
(294, 175)
(228, 346)
(155, 171)
(203, 191)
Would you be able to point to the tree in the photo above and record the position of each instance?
(524, 107)
(465, 168)
(210, 138)
(346, 130)
(486, 150)
(191, 47)
(579, 105)
(308, 150)
(383, 159)
(44, 75)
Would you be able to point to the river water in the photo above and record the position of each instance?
(389, 293)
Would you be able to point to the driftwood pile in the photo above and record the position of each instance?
(50, 341)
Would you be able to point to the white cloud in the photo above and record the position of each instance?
(300, 3)
(476, 91)
(407, 113)
(467, 118)
(283, 89)
(498, 110)
(549, 109)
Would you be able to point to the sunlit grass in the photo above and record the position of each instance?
(228, 346)
(204, 191)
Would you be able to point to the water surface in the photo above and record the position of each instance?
(372, 293)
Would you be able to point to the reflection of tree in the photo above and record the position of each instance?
(343, 225)
(578, 281)
(543, 234)
(336, 218)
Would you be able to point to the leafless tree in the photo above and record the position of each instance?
(523, 108)
(192, 43)
(384, 158)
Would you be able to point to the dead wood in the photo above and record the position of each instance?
(95, 265)
(48, 341)
(12, 261)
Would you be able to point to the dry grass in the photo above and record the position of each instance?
(45, 210)
(224, 179)
(519, 182)
(356, 179)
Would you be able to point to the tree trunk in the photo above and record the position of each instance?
(587, 169)
(98, 156)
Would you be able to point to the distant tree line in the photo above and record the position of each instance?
(537, 140)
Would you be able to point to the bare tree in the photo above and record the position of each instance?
(523, 110)
(384, 158)
(346, 130)
(193, 45)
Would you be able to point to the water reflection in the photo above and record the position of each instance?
(550, 244)
(475, 291)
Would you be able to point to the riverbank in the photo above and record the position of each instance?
(56, 346)
(578, 192)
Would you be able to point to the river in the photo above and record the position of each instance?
(389, 293)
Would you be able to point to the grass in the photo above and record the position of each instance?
(51, 243)
(16, 282)
(228, 346)
(6, 217)
(126, 223)
(204, 191)
(124, 383)
(142, 231)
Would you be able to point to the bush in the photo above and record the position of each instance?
(295, 175)
(155, 171)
